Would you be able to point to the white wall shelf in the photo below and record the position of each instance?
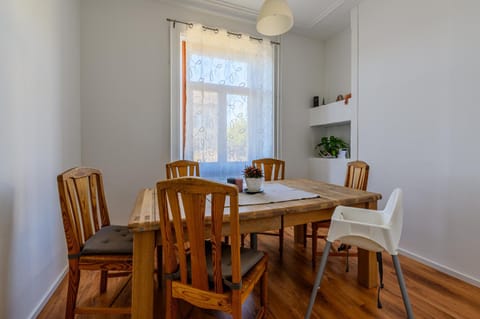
(330, 114)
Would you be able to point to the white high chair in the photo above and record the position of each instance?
(371, 230)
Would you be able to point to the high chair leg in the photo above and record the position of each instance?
(316, 286)
(403, 288)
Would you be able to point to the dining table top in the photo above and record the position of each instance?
(145, 216)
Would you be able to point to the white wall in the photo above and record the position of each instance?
(39, 137)
(418, 122)
(337, 78)
(126, 93)
(302, 72)
(337, 65)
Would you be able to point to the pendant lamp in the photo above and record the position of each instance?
(275, 18)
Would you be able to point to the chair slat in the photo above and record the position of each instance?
(94, 201)
(104, 214)
(176, 214)
(235, 235)
(217, 209)
(84, 204)
(194, 205)
(70, 220)
(74, 206)
(167, 234)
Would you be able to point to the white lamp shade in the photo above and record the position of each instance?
(275, 18)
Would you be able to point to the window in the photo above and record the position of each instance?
(226, 110)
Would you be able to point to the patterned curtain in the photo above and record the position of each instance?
(229, 114)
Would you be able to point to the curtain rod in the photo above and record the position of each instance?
(239, 35)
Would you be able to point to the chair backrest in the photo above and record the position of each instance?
(273, 169)
(182, 168)
(83, 205)
(393, 216)
(188, 205)
(357, 175)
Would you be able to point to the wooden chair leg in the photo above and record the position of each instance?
(263, 292)
(314, 244)
(159, 266)
(236, 305)
(73, 282)
(305, 235)
(280, 235)
(103, 281)
(171, 304)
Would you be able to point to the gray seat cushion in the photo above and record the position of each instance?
(248, 259)
(110, 240)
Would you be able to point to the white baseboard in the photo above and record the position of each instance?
(441, 268)
(48, 294)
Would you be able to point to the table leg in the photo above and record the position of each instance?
(299, 234)
(143, 274)
(253, 240)
(367, 268)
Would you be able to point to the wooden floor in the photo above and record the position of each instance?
(432, 294)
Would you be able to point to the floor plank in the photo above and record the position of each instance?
(432, 293)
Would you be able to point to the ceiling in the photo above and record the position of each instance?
(314, 18)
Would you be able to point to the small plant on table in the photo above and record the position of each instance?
(254, 179)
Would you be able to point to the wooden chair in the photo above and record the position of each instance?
(273, 169)
(357, 178)
(182, 168)
(93, 244)
(357, 175)
(207, 274)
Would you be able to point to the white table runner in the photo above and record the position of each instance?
(272, 193)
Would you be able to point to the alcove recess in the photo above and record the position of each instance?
(336, 117)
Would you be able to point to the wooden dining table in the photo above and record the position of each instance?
(144, 223)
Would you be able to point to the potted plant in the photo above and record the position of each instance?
(254, 179)
(330, 146)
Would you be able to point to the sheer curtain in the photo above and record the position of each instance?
(227, 118)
